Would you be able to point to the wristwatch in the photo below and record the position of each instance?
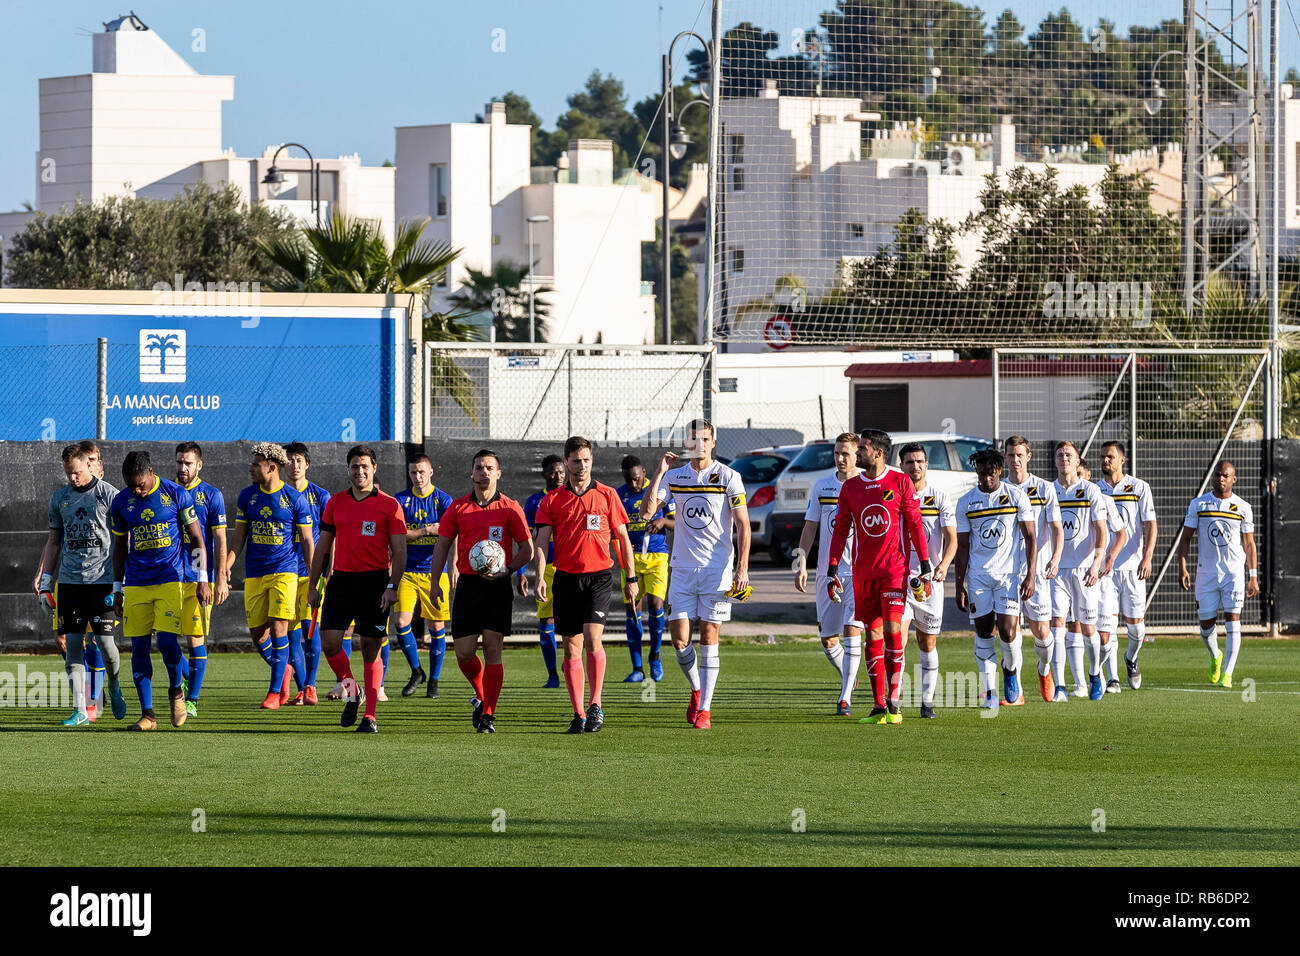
(390, 587)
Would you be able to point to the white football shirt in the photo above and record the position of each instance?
(997, 548)
(1081, 505)
(1132, 496)
(1219, 524)
(937, 513)
(704, 499)
(1043, 503)
(823, 503)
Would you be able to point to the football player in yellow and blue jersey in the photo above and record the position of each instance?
(424, 504)
(553, 472)
(196, 617)
(150, 516)
(267, 516)
(304, 641)
(650, 553)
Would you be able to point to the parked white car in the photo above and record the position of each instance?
(950, 469)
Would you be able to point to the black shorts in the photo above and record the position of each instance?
(580, 599)
(355, 596)
(83, 605)
(481, 605)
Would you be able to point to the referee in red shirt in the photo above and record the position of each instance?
(583, 516)
(483, 602)
(366, 530)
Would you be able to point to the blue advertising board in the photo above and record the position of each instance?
(202, 373)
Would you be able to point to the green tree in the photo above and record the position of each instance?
(121, 242)
(685, 289)
(696, 123)
(502, 291)
(519, 110)
(599, 111)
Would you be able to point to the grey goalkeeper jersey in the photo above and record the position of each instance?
(86, 551)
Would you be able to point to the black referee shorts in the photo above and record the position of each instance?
(580, 599)
(85, 605)
(481, 605)
(355, 596)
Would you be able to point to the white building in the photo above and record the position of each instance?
(474, 181)
(144, 123)
(799, 196)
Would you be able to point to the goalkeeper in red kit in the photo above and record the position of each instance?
(875, 505)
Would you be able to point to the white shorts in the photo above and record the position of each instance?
(833, 618)
(699, 594)
(1039, 606)
(1071, 600)
(1227, 595)
(988, 594)
(1108, 604)
(1132, 593)
(928, 614)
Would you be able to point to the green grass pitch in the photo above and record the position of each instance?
(1184, 773)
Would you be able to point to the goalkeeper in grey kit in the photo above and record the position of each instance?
(483, 601)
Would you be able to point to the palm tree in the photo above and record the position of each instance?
(350, 255)
(502, 292)
(162, 344)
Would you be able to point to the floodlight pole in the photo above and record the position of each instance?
(669, 119)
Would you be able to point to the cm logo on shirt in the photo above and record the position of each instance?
(697, 513)
(874, 520)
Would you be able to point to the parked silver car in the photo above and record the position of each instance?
(759, 470)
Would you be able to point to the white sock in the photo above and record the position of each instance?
(686, 661)
(929, 675)
(1136, 632)
(77, 680)
(1012, 657)
(1094, 654)
(986, 658)
(1210, 638)
(1044, 651)
(1108, 658)
(708, 673)
(1232, 645)
(1074, 650)
(1058, 656)
(835, 654)
(849, 666)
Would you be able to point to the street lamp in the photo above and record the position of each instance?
(1156, 98)
(532, 282)
(274, 177)
(676, 140)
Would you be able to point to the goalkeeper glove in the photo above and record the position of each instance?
(927, 572)
(833, 586)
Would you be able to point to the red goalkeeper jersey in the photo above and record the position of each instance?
(876, 508)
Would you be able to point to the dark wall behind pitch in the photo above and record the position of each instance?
(31, 471)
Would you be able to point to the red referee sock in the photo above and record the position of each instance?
(596, 668)
(573, 681)
(340, 664)
(894, 663)
(473, 671)
(494, 675)
(374, 678)
(876, 668)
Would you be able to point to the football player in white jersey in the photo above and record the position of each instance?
(1108, 597)
(940, 521)
(1132, 496)
(1226, 565)
(1036, 610)
(1075, 594)
(994, 563)
(834, 618)
(710, 502)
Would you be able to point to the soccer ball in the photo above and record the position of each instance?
(487, 557)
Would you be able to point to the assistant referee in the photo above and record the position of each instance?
(366, 530)
(583, 516)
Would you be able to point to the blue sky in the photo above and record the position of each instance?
(340, 76)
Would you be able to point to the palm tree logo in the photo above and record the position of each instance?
(162, 344)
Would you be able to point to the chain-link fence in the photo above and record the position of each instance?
(640, 395)
(745, 425)
(47, 392)
(1178, 414)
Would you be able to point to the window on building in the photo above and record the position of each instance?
(880, 406)
(737, 260)
(737, 149)
(438, 190)
(856, 231)
(737, 180)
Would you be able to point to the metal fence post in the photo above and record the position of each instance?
(997, 418)
(101, 390)
(427, 386)
(569, 356)
(1133, 413)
